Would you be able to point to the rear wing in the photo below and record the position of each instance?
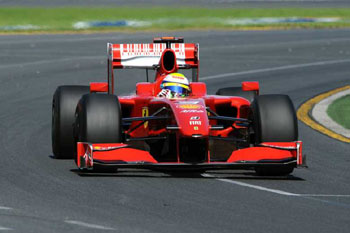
(148, 56)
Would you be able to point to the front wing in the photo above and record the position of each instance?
(120, 155)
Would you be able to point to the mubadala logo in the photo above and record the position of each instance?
(195, 118)
(192, 111)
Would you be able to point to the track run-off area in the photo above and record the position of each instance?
(185, 3)
(43, 194)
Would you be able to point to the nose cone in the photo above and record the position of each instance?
(191, 116)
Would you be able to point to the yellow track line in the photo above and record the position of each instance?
(304, 110)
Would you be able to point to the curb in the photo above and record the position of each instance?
(304, 114)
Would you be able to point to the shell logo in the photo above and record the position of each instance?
(190, 106)
(178, 77)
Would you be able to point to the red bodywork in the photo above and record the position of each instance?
(184, 131)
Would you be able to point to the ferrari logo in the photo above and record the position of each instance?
(145, 114)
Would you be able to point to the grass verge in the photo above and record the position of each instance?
(62, 19)
(339, 111)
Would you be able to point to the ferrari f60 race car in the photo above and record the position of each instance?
(235, 129)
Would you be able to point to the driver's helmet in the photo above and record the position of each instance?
(176, 83)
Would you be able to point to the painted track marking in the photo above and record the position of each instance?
(88, 225)
(303, 111)
(43, 62)
(303, 114)
(280, 192)
(1, 227)
(5, 229)
(297, 66)
(311, 41)
(320, 115)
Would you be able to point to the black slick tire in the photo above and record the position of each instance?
(274, 120)
(98, 120)
(65, 100)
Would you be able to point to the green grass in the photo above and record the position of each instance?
(339, 111)
(58, 19)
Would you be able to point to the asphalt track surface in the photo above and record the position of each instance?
(43, 194)
(179, 3)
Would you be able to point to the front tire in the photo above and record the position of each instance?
(274, 120)
(98, 120)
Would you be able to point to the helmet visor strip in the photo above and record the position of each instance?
(177, 88)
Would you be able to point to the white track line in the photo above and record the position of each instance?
(259, 187)
(30, 39)
(323, 195)
(5, 229)
(312, 41)
(5, 208)
(280, 192)
(88, 225)
(321, 63)
(276, 1)
(68, 59)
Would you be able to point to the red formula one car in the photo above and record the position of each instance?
(235, 129)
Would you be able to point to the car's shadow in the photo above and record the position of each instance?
(161, 174)
(62, 159)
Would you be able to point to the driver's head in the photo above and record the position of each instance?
(177, 83)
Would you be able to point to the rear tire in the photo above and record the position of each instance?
(237, 91)
(64, 103)
(274, 120)
(98, 120)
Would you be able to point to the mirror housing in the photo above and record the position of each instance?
(99, 87)
(251, 86)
